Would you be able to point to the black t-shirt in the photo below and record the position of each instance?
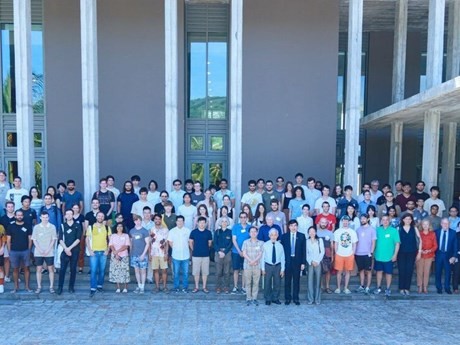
(71, 234)
(105, 198)
(91, 217)
(29, 216)
(80, 219)
(200, 242)
(160, 209)
(19, 236)
(6, 221)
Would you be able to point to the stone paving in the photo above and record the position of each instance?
(178, 321)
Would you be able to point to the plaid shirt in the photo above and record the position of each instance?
(254, 250)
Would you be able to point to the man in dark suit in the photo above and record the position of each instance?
(294, 244)
(445, 255)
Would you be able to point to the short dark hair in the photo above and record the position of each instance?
(434, 188)
(45, 213)
(293, 221)
(143, 190)
(25, 197)
(180, 217)
(201, 219)
(70, 181)
(189, 180)
(61, 184)
(135, 178)
(110, 176)
(306, 205)
(250, 182)
(348, 187)
(102, 179)
(298, 175)
(147, 208)
(177, 180)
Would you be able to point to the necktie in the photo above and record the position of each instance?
(443, 241)
(292, 245)
(274, 254)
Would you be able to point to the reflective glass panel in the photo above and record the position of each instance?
(198, 172)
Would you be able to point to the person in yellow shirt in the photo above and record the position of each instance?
(97, 239)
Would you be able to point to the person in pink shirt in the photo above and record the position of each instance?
(119, 243)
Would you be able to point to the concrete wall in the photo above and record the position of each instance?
(290, 88)
(63, 90)
(131, 89)
(379, 91)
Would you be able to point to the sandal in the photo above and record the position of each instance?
(195, 290)
(38, 290)
(52, 291)
(205, 290)
(329, 291)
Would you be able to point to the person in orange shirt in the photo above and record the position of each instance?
(429, 247)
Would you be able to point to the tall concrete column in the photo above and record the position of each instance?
(236, 96)
(431, 148)
(395, 152)
(435, 49)
(90, 97)
(171, 92)
(449, 146)
(399, 78)
(453, 40)
(399, 51)
(353, 92)
(23, 77)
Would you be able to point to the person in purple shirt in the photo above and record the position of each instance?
(364, 252)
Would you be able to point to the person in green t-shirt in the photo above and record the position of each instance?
(386, 252)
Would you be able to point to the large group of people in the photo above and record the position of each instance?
(278, 230)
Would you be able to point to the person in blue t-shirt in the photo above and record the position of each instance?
(240, 233)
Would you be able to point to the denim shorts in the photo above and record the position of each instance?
(137, 263)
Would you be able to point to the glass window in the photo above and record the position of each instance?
(39, 174)
(38, 142)
(8, 85)
(215, 173)
(11, 139)
(196, 143)
(7, 69)
(217, 143)
(208, 76)
(198, 171)
(12, 170)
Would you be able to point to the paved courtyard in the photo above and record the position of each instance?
(149, 321)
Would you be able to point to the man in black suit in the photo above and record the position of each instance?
(294, 244)
(445, 255)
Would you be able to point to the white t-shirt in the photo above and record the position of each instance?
(345, 239)
(430, 202)
(252, 199)
(138, 207)
(304, 224)
(319, 203)
(189, 213)
(15, 196)
(179, 239)
(153, 197)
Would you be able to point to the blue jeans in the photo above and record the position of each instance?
(97, 264)
(177, 265)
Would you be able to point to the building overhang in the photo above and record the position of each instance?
(444, 97)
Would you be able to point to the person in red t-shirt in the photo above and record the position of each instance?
(331, 220)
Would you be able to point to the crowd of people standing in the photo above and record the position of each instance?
(282, 231)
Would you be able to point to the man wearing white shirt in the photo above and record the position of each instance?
(251, 198)
(345, 245)
(16, 193)
(111, 186)
(325, 198)
(153, 195)
(178, 239)
(273, 268)
(187, 210)
(138, 206)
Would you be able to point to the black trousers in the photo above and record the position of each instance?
(292, 282)
(272, 276)
(406, 262)
(72, 262)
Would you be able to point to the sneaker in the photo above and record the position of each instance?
(100, 289)
(92, 293)
(360, 289)
(377, 291)
(243, 291)
(117, 291)
(337, 291)
(185, 290)
(125, 291)
(347, 291)
(141, 291)
(387, 292)
(176, 290)
(234, 290)
(2, 289)
(138, 290)
(255, 303)
(367, 291)
(7, 280)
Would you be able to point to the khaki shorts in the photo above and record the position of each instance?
(159, 262)
(200, 264)
(344, 263)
